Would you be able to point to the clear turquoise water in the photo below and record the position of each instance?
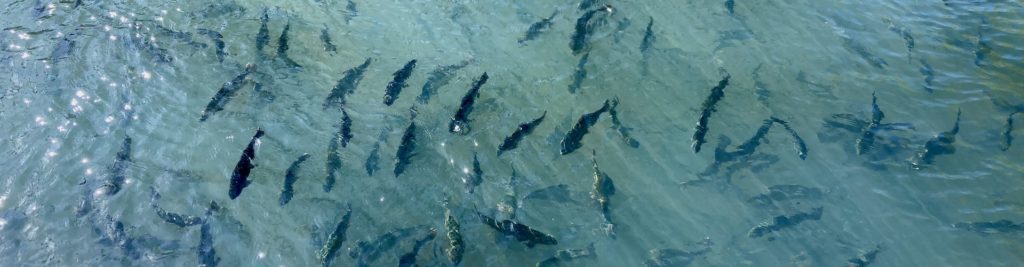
(63, 122)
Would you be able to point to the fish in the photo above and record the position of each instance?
(333, 155)
(65, 46)
(218, 42)
(864, 259)
(282, 47)
(908, 38)
(602, 191)
(982, 48)
(861, 51)
(558, 193)
(579, 74)
(798, 142)
(453, 231)
(149, 46)
(365, 252)
(180, 36)
(509, 203)
(239, 177)
(572, 139)
(409, 259)
(584, 27)
(940, 144)
(438, 78)
(263, 35)
(586, 4)
(179, 220)
(290, 176)
(395, 86)
(786, 192)
(730, 5)
(474, 177)
(672, 257)
(327, 253)
(460, 121)
(782, 222)
(39, 9)
(993, 227)
(325, 37)
(537, 28)
(567, 255)
(648, 41)
(624, 132)
(522, 233)
(372, 160)
(867, 137)
(1008, 133)
(346, 85)
(350, 11)
(406, 149)
(123, 159)
(206, 253)
(523, 130)
(929, 76)
(708, 107)
(226, 92)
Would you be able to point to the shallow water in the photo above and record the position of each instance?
(145, 70)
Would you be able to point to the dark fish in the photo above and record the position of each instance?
(623, 130)
(118, 170)
(579, 74)
(572, 139)
(778, 193)
(475, 176)
(180, 36)
(929, 75)
(330, 248)
(460, 121)
(263, 36)
(112, 232)
(524, 129)
(1008, 133)
(864, 259)
(350, 11)
(340, 139)
(373, 159)
(454, 233)
(39, 9)
(798, 142)
(782, 222)
(863, 53)
(154, 50)
(438, 78)
(325, 37)
(395, 86)
(409, 259)
(207, 255)
(509, 203)
(602, 191)
(867, 137)
(346, 85)
(239, 177)
(520, 232)
(1001, 226)
(365, 252)
(649, 37)
(558, 193)
(982, 48)
(730, 5)
(406, 149)
(672, 257)
(65, 47)
(226, 92)
(584, 27)
(218, 42)
(173, 218)
(290, 176)
(908, 39)
(708, 107)
(940, 144)
(282, 47)
(567, 255)
(537, 28)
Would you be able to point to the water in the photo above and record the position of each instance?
(144, 70)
